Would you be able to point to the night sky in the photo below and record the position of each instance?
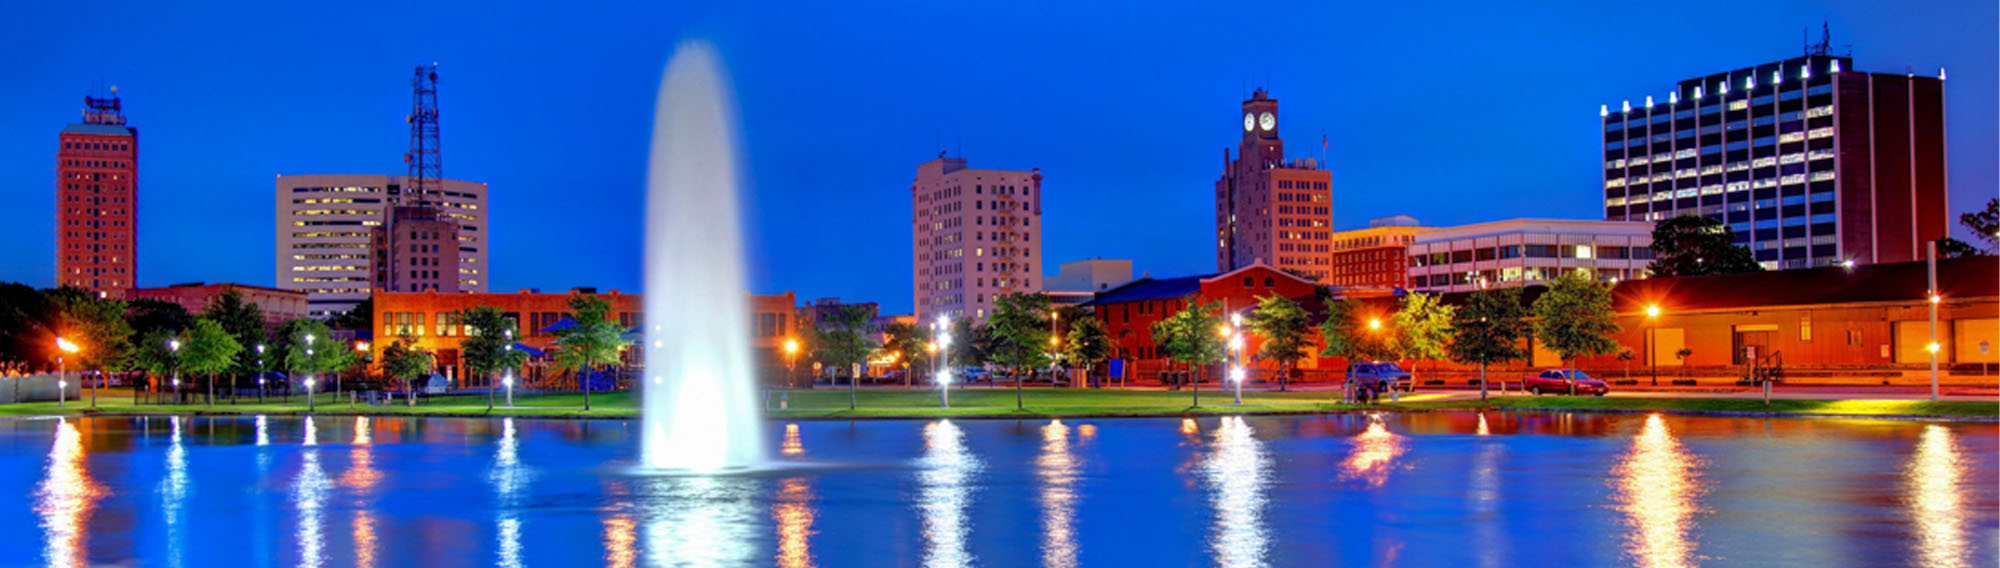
(1453, 112)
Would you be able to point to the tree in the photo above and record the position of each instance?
(1693, 245)
(1190, 336)
(842, 340)
(1489, 330)
(1984, 225)
(971, 343)
(1574, 318)
(1020, 324)
(245, 322)
(1347, 333)
(1282, 324)
(311, 349)
(488, 345)
(402, 361)
(1425, 324)
(1087, 344)
(592, 342)
(360, 317)
(98, 327)
(910, 344)
(210, 350)
(147, 315)
(26, 319)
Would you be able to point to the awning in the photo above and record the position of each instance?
(532, 352)
(560, 325)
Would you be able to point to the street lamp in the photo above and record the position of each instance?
(509, 382)
(791, 361)
(260, 373)
(63, 346)
(174, 345)
(944, 371)
(310, 338)
(1374, 324)
(1652, 340)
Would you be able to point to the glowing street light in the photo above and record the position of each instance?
(63, 346)
(1374, 324)
(174, 345)
(509, 382)
(260, 373)
(1652, 340)
(791, 360)
(944, 371)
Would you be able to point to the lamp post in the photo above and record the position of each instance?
(509, 382)
(1931, 266)
(260, 373)
(791, 362)
(174, 346)
(1652, 340)
(63, 347)
(944, 372)
(582, 379)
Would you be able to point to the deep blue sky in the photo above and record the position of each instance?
(1454, 111)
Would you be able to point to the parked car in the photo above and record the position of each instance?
(971, 374)
(1380, 376)
(1559, 381)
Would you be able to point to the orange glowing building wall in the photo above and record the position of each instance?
(97, 170)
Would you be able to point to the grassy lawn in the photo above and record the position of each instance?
(1778, 406)
(832, 403)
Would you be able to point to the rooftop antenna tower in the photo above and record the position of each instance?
(1825, 45)
(425, 161)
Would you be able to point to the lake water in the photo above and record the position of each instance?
(1447, 489)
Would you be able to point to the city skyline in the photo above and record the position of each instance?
(514, 121)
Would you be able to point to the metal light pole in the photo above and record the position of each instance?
(310, 395)
(1236, 346)
(944, 372)
(1931, 255)
(791, 362)
(1652, 340)
(260, 373)
(174, 345)
(63, 346)
(509, 381)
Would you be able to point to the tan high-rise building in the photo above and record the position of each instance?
(1268, 208)
(97, 201)
(323, 232)
(978, 234)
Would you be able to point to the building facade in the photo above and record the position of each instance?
(324, 236)
(977, 234)
(1809, 161)
(415, 250)
(1128, 312)
(1269, 209)
(278, 306)
(1375, 257)
(97, 200)
(1523, 252)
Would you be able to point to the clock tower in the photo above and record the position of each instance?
(1269, 210)
(1261, 148)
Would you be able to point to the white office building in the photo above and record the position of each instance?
(1523, 252)
(322, 233)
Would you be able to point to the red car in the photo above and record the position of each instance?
(1560, 381)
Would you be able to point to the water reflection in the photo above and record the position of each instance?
(1937, 501)
(1375, 453)
(619, 549)
(1057, 470)
(793, 514)
(360, 479)
(1236, 471)
(173, 492)
(1656, 489)
(1483, 431)
(1484, 497)
(945, 493)
(309, 492)
(66, 498)
(263, 432)
(509, 480)
(791, 445)
(698, 521)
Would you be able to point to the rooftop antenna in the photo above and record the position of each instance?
(426, 162)
(1825, 40)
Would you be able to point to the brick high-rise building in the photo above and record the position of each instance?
(1268, 208)
(1811, 162)
(978, 234)
(1375, 257)
(97, 200)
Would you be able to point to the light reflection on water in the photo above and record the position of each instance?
(309, 492)
(173, 493)
(1937, 502)
(1247, 491)
(1375, 453)
(945, 492)
(1657, 484)
(791, 446)
(1057, 468)
(1236, 471)
(509, 479)
(67, 497)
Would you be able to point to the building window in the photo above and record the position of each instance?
(1805, 326)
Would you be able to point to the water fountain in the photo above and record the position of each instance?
(698, 404)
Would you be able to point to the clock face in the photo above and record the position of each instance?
(1268, 121)
(1249, 122)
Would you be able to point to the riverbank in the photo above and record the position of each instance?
(833, 404)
